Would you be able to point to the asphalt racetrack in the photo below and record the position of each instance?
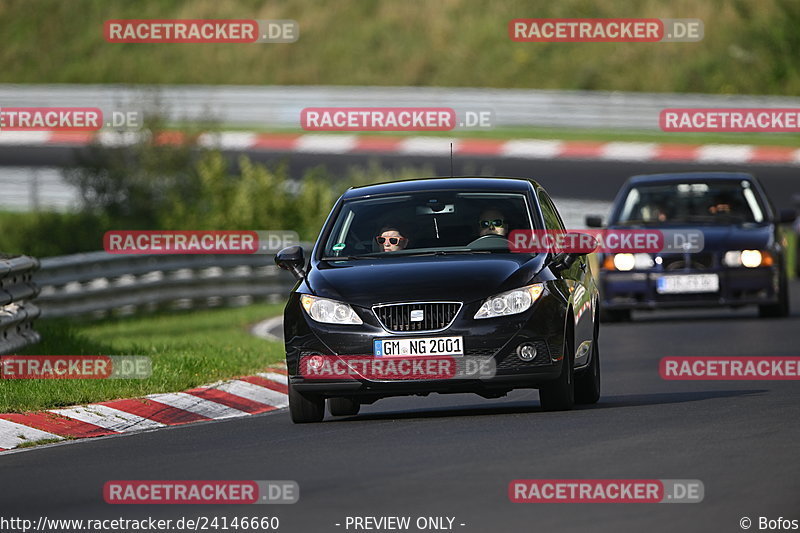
(589, 179)
(455, 455)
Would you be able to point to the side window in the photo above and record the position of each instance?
(549, 213)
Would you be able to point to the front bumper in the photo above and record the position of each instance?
(497, 338)
(737, 287)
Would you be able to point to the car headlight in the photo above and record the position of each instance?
(625, 262)
(510, 302)
(747, 258)
(329, 311)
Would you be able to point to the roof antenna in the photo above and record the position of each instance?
(451, 159)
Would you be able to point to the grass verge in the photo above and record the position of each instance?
(187, 350)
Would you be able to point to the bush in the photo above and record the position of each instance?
(153, 185)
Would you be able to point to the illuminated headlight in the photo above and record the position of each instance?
(747, 258)
(751, 258)
(329, 311)
(511, 302)
(625, 262)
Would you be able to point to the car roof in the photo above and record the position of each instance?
(677, 177)
(494, 184)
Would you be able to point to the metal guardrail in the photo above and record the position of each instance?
(100, 284)
(16, 311)
(280, 106)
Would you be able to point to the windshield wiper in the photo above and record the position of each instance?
(449, 252)
(348, 257)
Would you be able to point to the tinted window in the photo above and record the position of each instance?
(711, 202)
(424, 221)
(549, 212)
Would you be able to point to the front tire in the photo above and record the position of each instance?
(780, 309)
(615, 315)
(305, 408)
(560, 394)
(587, 383)
(343, 406)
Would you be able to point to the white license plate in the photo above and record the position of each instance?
(690, 283)
(419, 346)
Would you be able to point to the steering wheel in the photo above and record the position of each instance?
(490, 242)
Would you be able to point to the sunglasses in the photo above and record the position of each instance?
(392, 240)
(496, 223)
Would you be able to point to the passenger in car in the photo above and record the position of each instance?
(653, 212)
(390, 239)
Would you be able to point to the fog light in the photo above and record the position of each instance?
(526, 352)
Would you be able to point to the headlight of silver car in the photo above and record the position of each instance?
(510, 302)
(329, 311)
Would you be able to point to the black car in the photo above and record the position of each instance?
(403, 264)
(742, 261)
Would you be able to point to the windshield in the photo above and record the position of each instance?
(426, 223)
(722, 202)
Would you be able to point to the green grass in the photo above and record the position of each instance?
(187, 350)
(791, 247)
(761, 139)
(32, 443)
(749, 46)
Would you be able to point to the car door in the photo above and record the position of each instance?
(580, 285)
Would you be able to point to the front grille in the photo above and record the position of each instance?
(695, 261)
(436, 316)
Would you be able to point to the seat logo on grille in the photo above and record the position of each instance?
(417, 315)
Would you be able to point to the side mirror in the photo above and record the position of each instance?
(293, 260)
(594, 221)
(564, 260)
(787, 216)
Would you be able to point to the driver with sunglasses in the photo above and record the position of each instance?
(391, 240)
(492, 222)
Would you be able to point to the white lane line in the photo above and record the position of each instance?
(13, 434)
(280, 378)
(725, 153)
(24, 137)
(255, 393)
(264, 328)
(622, 151)
(119, 138)
(427, 146)
(197, 405)
(228, 140)
(532, 148)
(108, 418)
(329, 144)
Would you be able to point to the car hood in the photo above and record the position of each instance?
(724, 238)
(367, 282)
